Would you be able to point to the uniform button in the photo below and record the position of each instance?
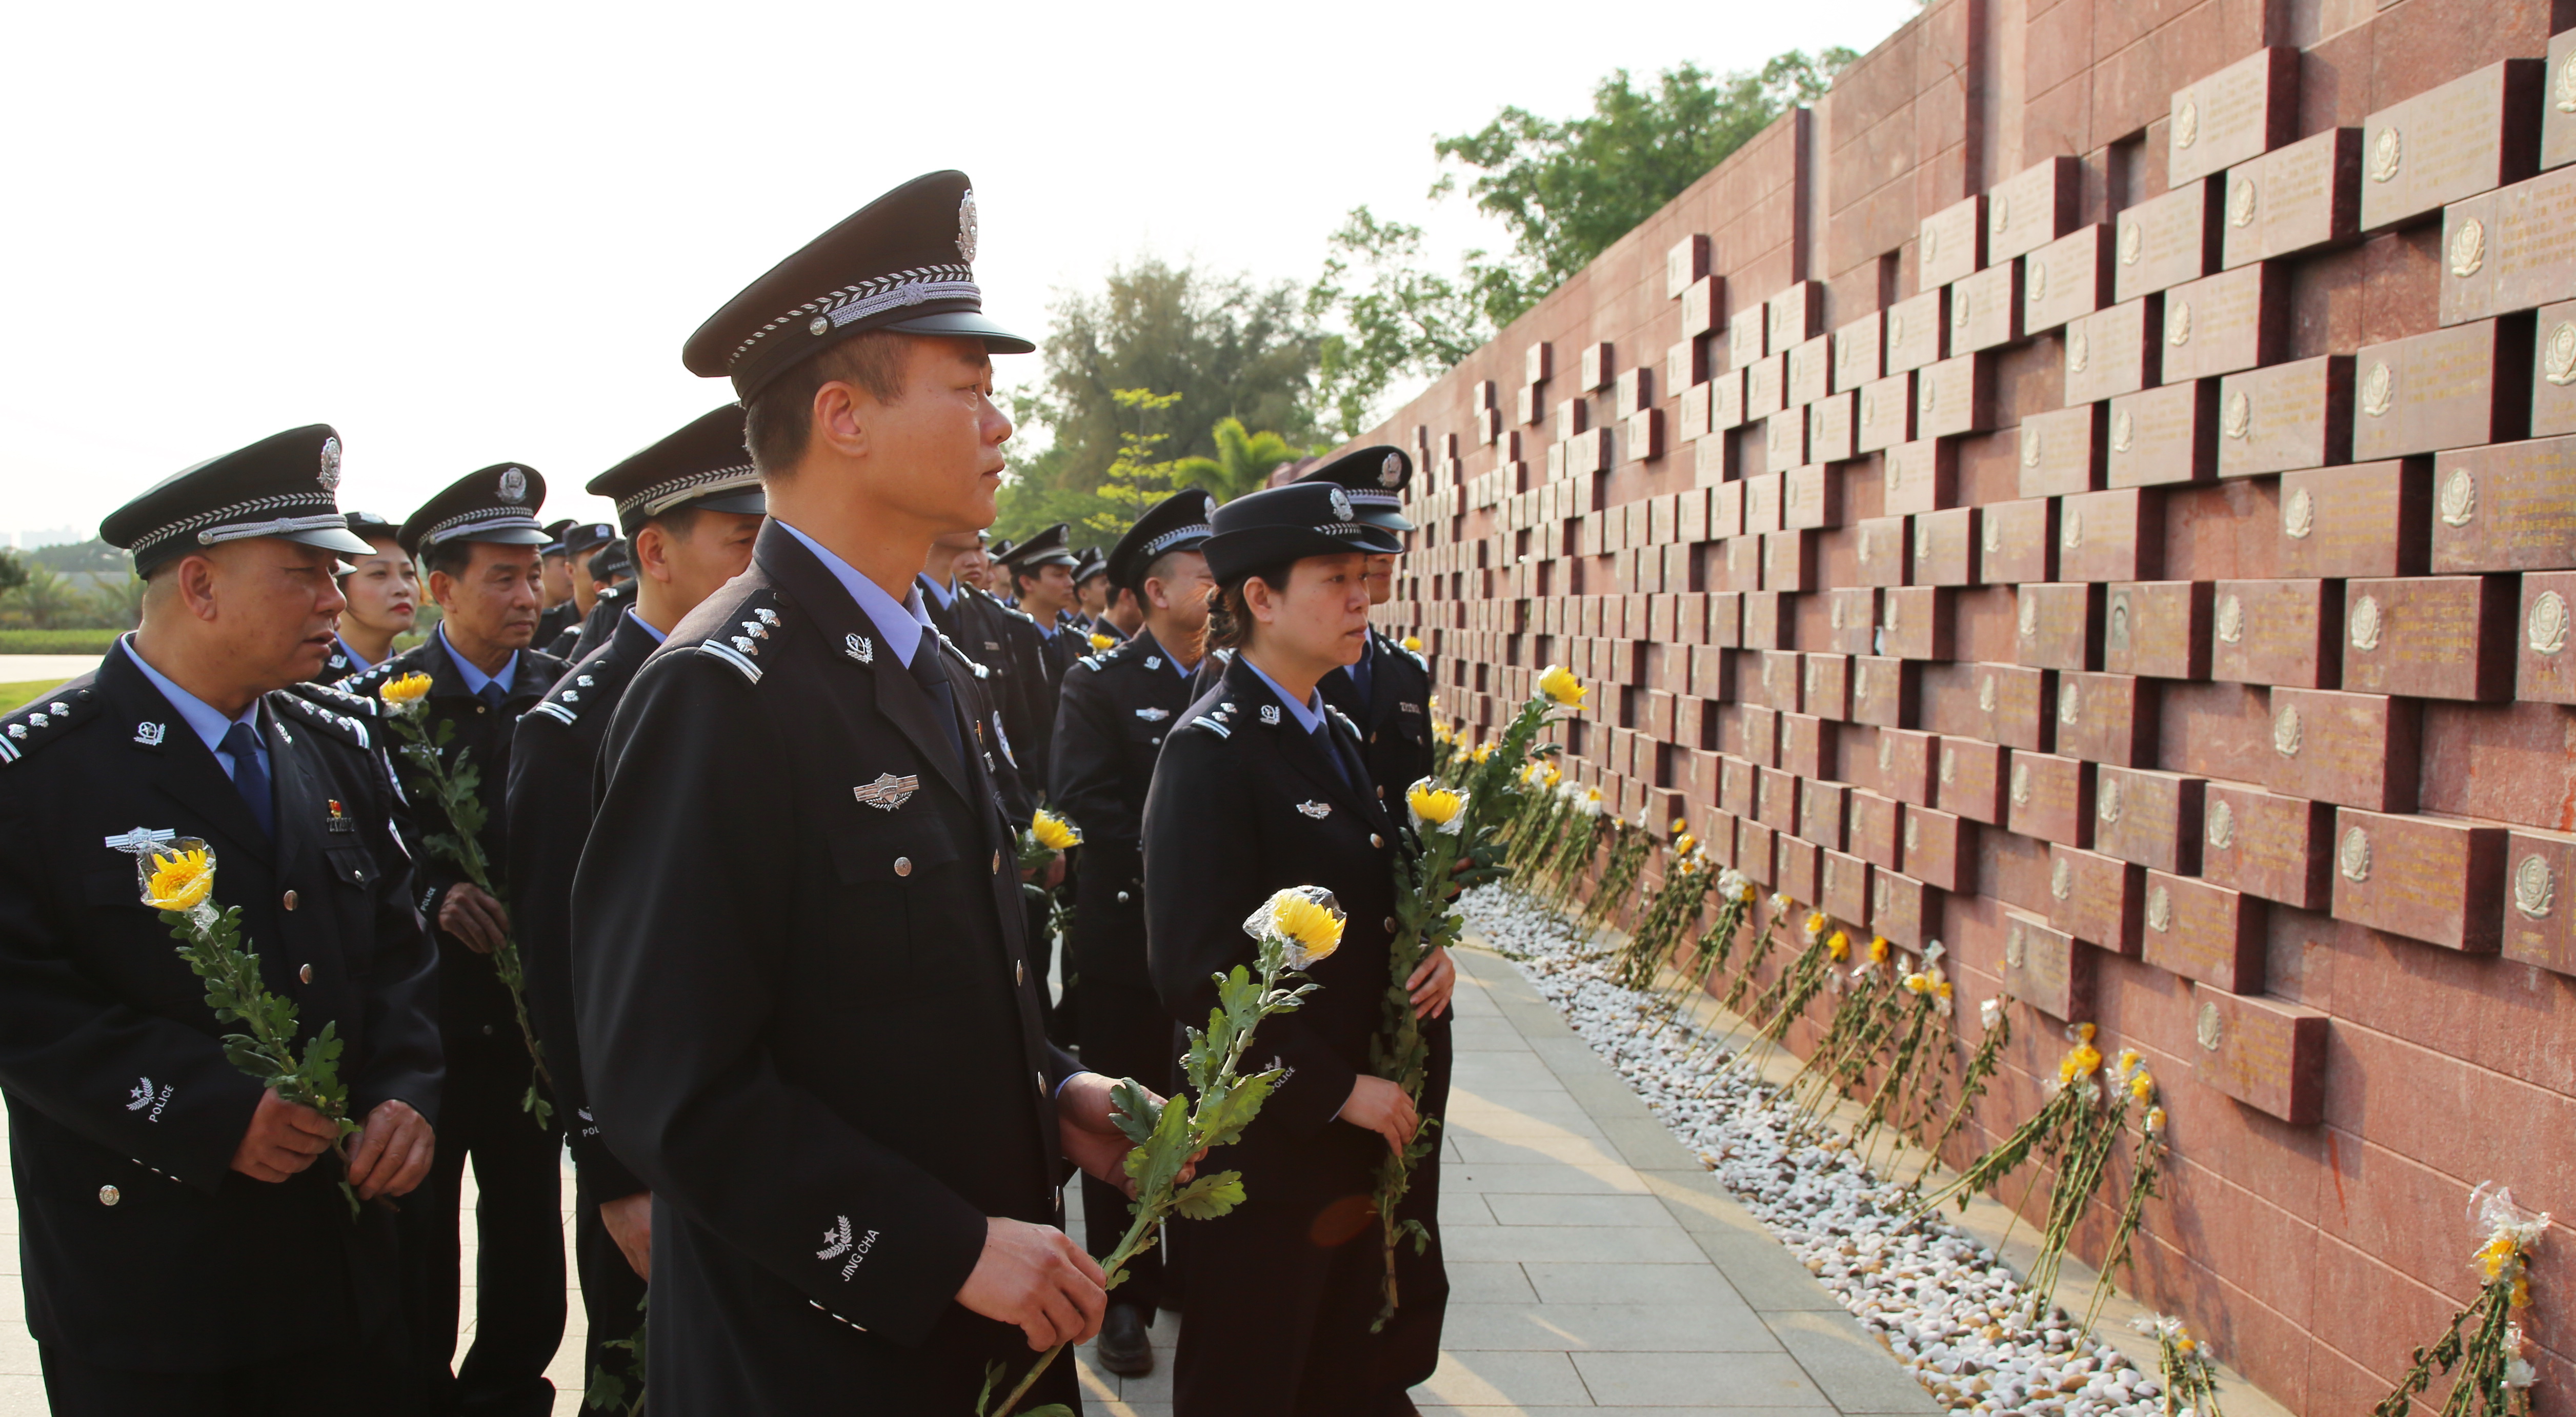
(903, 865)
(1122, 897)
(1381, 794)
(1376, 840)
(289, 902)
(487, 1030)
(480, 708)
(109, 1195)
(997, 863)
(1019, 971)
(305, 974)
(1390, 924)
(1372, 737)
(1040, 1079)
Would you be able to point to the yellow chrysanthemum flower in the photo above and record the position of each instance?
(2083, 1033)
(1878, 949)
(1839, 946)
(1681, 824)
(1683, 843)
(405, 691)
(1918, 984)
(1942, 988)
(1558, 683)
(2143, 1087)
(1054, 832)
(1553, 775)
(1312, 930)
(1412, 642)
(1432, 805)
(1594, 792)
(181, 880)
(1816, 922)
(2155, 1121)
(1483, 751)
(1100, 641)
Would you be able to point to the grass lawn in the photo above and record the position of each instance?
(15, 696)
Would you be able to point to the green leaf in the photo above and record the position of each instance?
(1223, 1114)
(1210, 1196)
(1137, 1113)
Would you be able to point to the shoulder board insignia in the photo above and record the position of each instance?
(1343, 719)
(1214, 726)
(340, 700)
(341, 724)
(1090, 662)
(556, 711)
(1418, 661)
(34, 724)
(741, 662)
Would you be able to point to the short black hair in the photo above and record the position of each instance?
(449, 556)
(779, 419)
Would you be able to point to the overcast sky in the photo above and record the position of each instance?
(473, 233)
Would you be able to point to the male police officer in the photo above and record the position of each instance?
(1092, 593)
(798, 892)
(1388, 692)
(478, 539)
(689, 506)
(554, 584)
(612, 592)
(186, 1246)
(1117, 706)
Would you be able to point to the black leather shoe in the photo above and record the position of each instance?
(1124, 1347)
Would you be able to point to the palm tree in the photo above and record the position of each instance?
(45, 600)
(1242, 463)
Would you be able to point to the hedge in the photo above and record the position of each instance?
(57, 641)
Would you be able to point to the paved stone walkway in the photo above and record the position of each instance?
(1594, 1263)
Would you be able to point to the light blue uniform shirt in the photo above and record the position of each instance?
(200, 716)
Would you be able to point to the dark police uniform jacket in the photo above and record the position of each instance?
(1246, 803)
(1037, 677)
(554, 753)
(807, 1014)
(553, 621)
(607, 608)
(474, 1008)
(1395, 722)
(1118, 706)
(143, 1248)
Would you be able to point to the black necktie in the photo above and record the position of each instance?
(932, 675)
(492, 695)
(1332, 747)
(241, 744)
(1360, 674)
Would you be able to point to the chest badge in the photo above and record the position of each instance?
(860, 648)
(1316, 810)
(141, 839)
(1270, 714)
(888, 791)
(1153, 661)
(341, 821)
(1402, 707)
(1153, 715)
(151, 734)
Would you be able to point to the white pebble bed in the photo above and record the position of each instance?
(1940, 1300)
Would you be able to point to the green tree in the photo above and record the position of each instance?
(117, 603)
(46, 600)
(1218, 346)
(1243, 463)
(1564, 189)
(1135, 480)
(13, 569)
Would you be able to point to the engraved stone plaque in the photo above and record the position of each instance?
(2164, 241)
(1796, 314)
(1810, 497)
(2032, 208)
(1808, 745)
(1906, 761)
(2058, 625)
(1829, 428)
(1953, 397)
(2061, 451)
(1882, 551)
(2095, 897)
(2450, 388)
(1820, 814)
(1768, 623)
(2288, 416)
(2115, 535)
(1952, 242)
(2471, 135)
(1826, 680)
(2558, 103)
(1742, 566)
(1873, 819)
(1918, 330)
(1784, 440)
(2268, 845)
(1765, 387)
(1842, 887)
(2524, 256)
(1883, 691)
(2223, 323)
(2545, 669)
(2049, 797)
(1735, 778)
(1759, 735)
(2294, 198)
(1920, 476)
(2152, 818)
(1796, 863)
(2354, 750)
(2238, 113)
(1779, 680)
(2429, 637)
(1775, 798)
(1746, 337)
(1811, 369)
(1725, 620)
(2113, 351)
(1726, 402)
(2204, 932)
(2370, 519)
(1915, 623)
(2045, 968)
(2511, 507)
(2276, 632)
(2553, 365)
(1860, 350)
(2106, 718)
(2267, 1054)
(2158, 629)
(2164, 435)
(1906, 911)
(1945, 547)
(1762, 498)
(1999, 703)
(1985, 308)
(1883, 415)
(1968, 779)
(1940, 848)
(2537, 926)
(2017, 541)
(1755, 853)
(1701, 300)
(2066, 279)
(2436, 881)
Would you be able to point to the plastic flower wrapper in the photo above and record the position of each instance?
(2187, 1368)
(1046, 837)
(177, 878)
(1434, 808)
(1294, 928)
(453, 786)
(2483, 1340)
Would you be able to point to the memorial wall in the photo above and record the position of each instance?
(2099, 490)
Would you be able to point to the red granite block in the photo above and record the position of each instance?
(2204, 932)
(2437, 881)
(2265, 1053)
(2149, 817)
(2045, 968)
(2095, 898)
(2354, 750)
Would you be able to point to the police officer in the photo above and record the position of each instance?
(554, 584)
(808, 1016)
(1263, 787)
(1118, 705)
(383, 591)
(689, 506)
(1386, 691)
(612, 592)
(185, 1243)
(1040, 572)
(582, 541)
(1091, 594)
(478, 540)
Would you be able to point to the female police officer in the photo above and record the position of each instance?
(1263, 787)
